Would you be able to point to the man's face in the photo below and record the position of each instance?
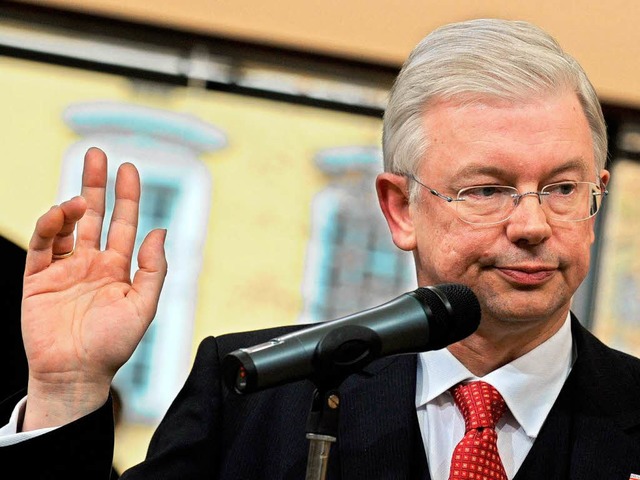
(528, 267)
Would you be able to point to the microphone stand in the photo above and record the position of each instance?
(340, 353)
(322, 431)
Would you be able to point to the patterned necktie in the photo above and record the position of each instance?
(476, 456)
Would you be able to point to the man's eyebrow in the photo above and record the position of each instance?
(574, 164)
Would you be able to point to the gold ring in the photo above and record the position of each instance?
(59, 256)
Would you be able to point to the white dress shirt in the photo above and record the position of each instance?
(529, 385)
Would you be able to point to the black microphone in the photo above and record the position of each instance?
(429, 318)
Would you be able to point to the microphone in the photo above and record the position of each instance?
(429, 318)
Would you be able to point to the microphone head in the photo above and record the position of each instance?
(454, 312)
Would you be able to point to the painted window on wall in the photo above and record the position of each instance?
(352, 263)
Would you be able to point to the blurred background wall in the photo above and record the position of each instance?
(256, 128)
(603, 36)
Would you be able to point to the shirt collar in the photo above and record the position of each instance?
(529, 385)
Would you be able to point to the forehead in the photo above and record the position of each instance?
(531, 138)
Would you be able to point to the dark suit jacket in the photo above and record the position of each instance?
(12, 356)
(592, 432)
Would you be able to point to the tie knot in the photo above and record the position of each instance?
(480, 403)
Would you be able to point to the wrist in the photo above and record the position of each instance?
(57, 405)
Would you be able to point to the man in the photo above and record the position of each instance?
(495, 148)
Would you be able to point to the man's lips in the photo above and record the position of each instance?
(527, 275)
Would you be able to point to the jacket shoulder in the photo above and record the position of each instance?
(229, 342)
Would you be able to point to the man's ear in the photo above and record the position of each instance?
(393, 196)
(605, 176)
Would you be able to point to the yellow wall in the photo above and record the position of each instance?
(263, 180)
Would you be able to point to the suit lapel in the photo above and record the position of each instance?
(595, 417)
(549, 456)
(379, 434)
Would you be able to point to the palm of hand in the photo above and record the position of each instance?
(94, 317)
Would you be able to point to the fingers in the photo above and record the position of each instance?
(94, 183)
(124, 219)
(53, 234)
(73, 211)
(152, 270)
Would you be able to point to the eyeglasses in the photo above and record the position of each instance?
(491, 204)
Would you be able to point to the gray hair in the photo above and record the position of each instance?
(511, 60)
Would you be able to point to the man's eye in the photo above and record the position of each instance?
(561, 189)
(484, 192)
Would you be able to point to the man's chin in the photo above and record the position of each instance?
(524, 306)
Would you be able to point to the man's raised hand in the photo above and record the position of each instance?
(82, 313)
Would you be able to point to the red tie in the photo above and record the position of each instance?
(476, 456)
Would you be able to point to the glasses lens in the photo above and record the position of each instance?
(485, 204)
(564, 201)
(572, 201)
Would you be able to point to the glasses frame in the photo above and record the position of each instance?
(516, 198)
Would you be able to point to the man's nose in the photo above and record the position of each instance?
(529, 222)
